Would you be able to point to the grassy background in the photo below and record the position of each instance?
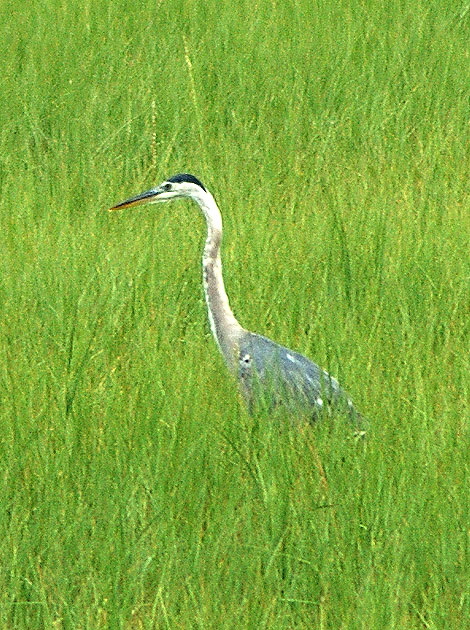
(135, 492)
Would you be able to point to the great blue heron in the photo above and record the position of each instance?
(269, 374)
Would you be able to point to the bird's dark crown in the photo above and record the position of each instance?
(186, 177)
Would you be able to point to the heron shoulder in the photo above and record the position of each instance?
(266, 355)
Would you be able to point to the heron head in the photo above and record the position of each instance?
(181, 185)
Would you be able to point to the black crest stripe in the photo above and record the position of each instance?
(186, 177)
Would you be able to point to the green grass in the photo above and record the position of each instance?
(135, 491)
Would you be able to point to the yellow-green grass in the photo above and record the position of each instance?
(135, 491)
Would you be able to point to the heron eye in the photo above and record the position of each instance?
(166, 186)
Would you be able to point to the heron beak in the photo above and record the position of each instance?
(145, 197)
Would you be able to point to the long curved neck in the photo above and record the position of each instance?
(224, 326)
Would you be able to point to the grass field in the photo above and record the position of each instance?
(135, 490)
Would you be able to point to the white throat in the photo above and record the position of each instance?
(224, 326)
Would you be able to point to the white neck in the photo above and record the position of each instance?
(224, 326)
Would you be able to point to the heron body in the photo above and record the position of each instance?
(268, 373)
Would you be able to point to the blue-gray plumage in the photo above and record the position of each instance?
(269, 374)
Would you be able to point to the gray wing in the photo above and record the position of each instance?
(271, 374)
